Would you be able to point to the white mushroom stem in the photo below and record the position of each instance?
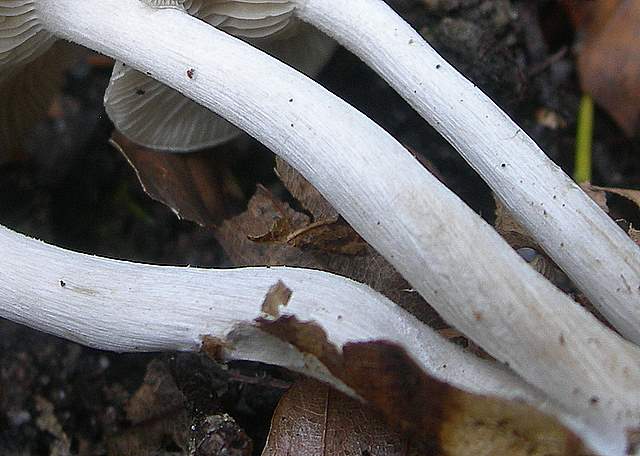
(445, 250)
(598, 256)
(129, 307)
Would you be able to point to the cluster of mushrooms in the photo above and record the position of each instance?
(181, 61)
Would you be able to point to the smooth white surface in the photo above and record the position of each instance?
(597, 255)
(445, 250)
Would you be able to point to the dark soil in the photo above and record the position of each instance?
(73, 190)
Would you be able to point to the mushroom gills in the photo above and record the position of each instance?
(23, 37)
(156, 116)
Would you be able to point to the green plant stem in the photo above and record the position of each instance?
(584, 139)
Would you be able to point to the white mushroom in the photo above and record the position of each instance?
(128, 307)
(154, 115)
(598, 256)
(447, 252)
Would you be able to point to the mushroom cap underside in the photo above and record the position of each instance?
(156, 116)
(22, 36)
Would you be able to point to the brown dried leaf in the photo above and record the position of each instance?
(277, 296)
(197, 186)
(512, 232)
(424, 409)
(314, 419)
(635, 235)
(265, 214)
(609, 60)
(158, 413)
(619, 212)
(631, 195)
(518, 237)
(304, 192)
(332, 235)
(590, 17)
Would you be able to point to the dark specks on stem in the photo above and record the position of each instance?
(438, 66)
(63, 283)
(140, 92)
(191, 73)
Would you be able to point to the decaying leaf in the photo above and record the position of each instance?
(197, 186)
(635, 235)
(336, 247)
(631, 195)
(600, 195)
(277, 296)
(609, 58)
(518, 237)
(203, 384)
(590, 17)
(158, 413)
(219, 434)
(304, 192)
(331, 235)
(314, 419)
(163, 424)
(512, 232)
(425, 410)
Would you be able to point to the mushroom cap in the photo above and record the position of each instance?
(156, 116)
(29, 74)
(245, 18)
(22, 36)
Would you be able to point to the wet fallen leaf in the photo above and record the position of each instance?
(426, 411)
(197, 186)
(314, 419)
(609, 56)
